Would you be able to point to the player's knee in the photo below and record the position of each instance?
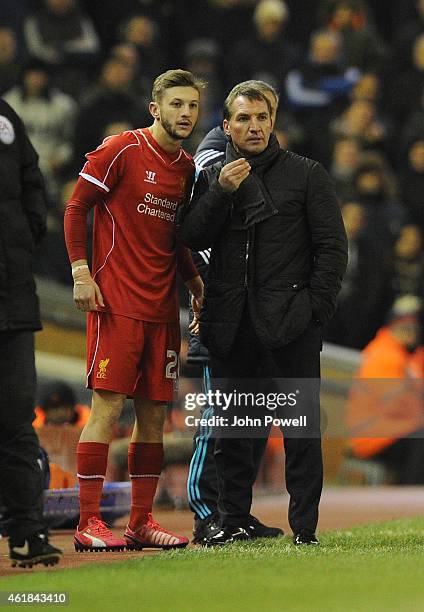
(106, 407)
(150, 418)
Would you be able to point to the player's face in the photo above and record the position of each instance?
(249, 126)
(178, 111)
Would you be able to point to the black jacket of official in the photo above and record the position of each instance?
(22, 223)
(278, 244)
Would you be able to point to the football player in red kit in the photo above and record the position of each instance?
(135, 181)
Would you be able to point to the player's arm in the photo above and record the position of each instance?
(196, 288)
(192, 279)
(87, 294)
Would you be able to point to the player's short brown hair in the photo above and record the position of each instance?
(175, 78)
(246, 89)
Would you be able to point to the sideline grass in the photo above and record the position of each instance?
(378, 567)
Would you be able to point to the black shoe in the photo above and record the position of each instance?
(203, 528)
(228, 535)
(259, 530)
(305, 538)
(33, 549)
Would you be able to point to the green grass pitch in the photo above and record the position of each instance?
(371, 568)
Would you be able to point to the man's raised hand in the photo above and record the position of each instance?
(233, 174)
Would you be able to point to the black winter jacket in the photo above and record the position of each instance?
(288, 266)
(22, 223)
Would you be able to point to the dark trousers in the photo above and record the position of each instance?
(202, 484)
(236, 458)
(21, 487)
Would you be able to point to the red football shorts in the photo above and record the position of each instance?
(133, 357)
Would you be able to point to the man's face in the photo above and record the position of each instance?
(177, 111)
(249, 126)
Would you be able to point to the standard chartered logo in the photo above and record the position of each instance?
(159, 207)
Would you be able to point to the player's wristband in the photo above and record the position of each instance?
(82, 267)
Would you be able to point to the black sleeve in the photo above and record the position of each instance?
(329, 243)
(33, 192)
(206, 214)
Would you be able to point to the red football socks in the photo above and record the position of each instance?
(91, 466)
(145, 461)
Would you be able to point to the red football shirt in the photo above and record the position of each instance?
(138, 188)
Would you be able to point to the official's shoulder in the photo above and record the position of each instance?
(215, 140)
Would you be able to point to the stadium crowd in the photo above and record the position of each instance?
(350, 74)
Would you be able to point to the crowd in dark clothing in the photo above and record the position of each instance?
(351, 82)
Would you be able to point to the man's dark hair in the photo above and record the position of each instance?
(175, 78)
(247, 90)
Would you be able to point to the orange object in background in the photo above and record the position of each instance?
(387, 402)
(60, 478)
(82, 411)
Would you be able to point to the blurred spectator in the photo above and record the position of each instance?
(202, 58)
(362, 47)
(289, 132)
(317, 91)
(58, 406)
(360, 8)
(376, 190)
(52, 260)
(365, 296)
(407, 34)
(143, 33)
(408, 91)
(385, 408)
(116, 127)
(360, 121)
(408, 262)
(412, 131)
(59, 31)
(13, 15)
(225, 21)
(49, 116)
(367, 87)
(107, 16)
(142, 84)
(412, 183)
(266, 54)
(344, 164)
(111, 99)
(9, 66)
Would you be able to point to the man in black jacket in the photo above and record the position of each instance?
(22, 226)
(202, 484)
(278, 254)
